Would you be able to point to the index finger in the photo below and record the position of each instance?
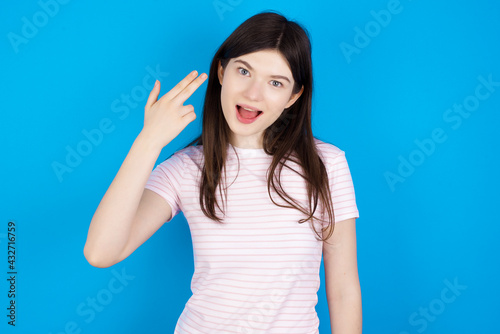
(191, 88)
(181, 85)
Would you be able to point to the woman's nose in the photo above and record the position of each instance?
(254, 90)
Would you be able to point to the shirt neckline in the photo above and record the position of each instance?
(248, 151)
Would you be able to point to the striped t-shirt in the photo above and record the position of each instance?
(258, 272)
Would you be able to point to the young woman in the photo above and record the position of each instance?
(262, 196)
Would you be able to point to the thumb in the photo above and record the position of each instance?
(153, 95)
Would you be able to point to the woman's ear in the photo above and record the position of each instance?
(220, 73)
(294, 98)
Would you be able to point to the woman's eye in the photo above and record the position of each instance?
(273, 82)
(276, 83)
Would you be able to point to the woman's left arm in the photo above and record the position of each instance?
(343, 291)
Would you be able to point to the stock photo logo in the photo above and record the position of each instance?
(454, 116)
(420, 319)
(94, 137)
(31, 26)
(363, 37)
(98, 302)
(223, 6)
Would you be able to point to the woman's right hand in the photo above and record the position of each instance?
(165, 118)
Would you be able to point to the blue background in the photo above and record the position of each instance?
(434, 226)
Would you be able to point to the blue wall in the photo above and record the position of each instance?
(410, 90)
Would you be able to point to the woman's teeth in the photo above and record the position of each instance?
(248, 113)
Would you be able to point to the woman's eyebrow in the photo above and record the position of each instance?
(251, 68)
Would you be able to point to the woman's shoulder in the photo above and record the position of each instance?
(187, 155)
(327, 150)
(191, 150)
(332, 156)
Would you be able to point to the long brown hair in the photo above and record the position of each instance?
(288, 138)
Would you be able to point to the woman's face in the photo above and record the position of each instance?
(261, 81)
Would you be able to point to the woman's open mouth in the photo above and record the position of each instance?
(247, 116)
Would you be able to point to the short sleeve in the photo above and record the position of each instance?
(342, 189)
(165, 180)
